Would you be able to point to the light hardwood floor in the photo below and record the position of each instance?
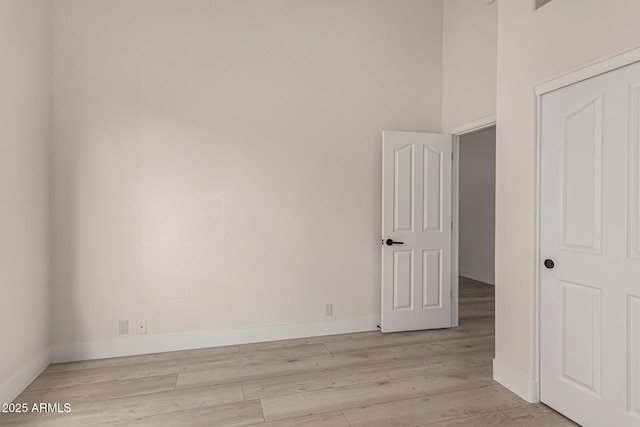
(434, 378)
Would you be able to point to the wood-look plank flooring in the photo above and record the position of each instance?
(425, 378)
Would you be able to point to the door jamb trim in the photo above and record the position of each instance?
(475, 125)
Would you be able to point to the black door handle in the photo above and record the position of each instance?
(549, 263)
(390, 242)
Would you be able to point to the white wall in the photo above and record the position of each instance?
(24, 195)
(470, 47)
(534, 47)
(477, 195)
(217, 163)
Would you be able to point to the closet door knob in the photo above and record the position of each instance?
(549, 263)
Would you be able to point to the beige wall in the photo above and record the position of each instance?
(469, 61)
(534, 47)
(217, 163)
(24, 195)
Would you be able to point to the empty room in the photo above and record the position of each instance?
(320, 213)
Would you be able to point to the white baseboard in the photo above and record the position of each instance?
(516, 382)
(145, 344)
(14, 385)
(480, 276)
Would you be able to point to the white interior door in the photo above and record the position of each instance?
(590, 299)
(416, 231)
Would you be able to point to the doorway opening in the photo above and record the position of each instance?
(476, 205)
(476, 225)
(474, 222)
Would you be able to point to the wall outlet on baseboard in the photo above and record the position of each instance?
(123, 327)
(328, 310)
(142, 327)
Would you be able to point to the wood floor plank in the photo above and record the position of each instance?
(478, 311)
(538, 416)
(350, 375)
(435, 408)
(228, 415)
(467, 301)
(310, 340)
(132, 407)
(477, 305)
(469, 344)
(101, 391)
(143, 358)
(341, 398)
(164, 367)
(474, 293)
(330, 419)
(469, 289)
(485, 420)
(264, 369)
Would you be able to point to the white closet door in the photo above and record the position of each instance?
(590, 298)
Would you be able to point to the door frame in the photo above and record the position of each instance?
(593, 70)
(456, 133)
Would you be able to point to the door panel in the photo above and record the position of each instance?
(581, 336)
(433, 194)
(634, 172)
(432, 278)
(589, 226)
(403, 188)
(402, 280)
(582, 178)
(416, 273)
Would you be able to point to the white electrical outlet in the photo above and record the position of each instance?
(123, 327)
(328, 310)
(142, 327)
